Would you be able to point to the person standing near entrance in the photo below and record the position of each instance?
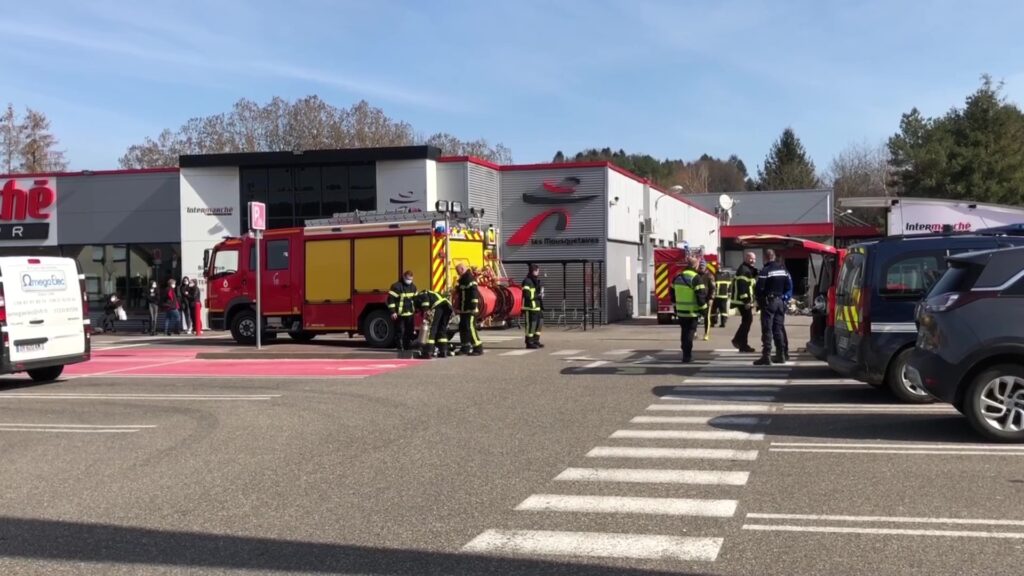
(185, 298)
(153, 304)
(533, 306)
(403, 309)
(743, 300)
(469, 307)
(172, 319)
(689, 297)
(773, 289)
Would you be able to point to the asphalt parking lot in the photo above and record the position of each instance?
(599, 454)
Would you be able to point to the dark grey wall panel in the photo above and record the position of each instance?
(119, 208)
(775, 207)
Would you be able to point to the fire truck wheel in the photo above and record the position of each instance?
(378, 329)
(243, 327)
(302, 336)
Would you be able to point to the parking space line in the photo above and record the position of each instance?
(730, 420)
(120, 346)
(623, 352)
(23, 425)
(914, 452)
(907, 446)
(595, 545)
(567, 352)
(654, 476)
(136, 367)
(881, 531)
(522, 352)
(697, 407)
(629, 505)
(890, 519)
(687, 435)
(671, 453)
(72, 430)
(58, 396)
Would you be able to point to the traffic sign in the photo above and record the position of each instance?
(257, 216)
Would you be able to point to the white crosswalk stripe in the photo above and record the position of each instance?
(629, 505)
(723, 420)
(567, 352)
(521, 352)
(672, 453)
(595, 545)
(654, 476)
(686, 435)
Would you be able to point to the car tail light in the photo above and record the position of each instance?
(951, 300)
(85, 303)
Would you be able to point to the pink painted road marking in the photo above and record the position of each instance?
(182, 363)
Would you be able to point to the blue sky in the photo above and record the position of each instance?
(671, 78)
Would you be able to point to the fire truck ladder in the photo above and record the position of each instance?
(358, 217)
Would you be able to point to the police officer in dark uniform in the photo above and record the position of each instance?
(743, 300)
(533, 306)
(469, 307)
(403, 309)
(690, 298)
(773, 289)
(437, 331)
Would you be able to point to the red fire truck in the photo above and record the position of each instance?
(668, 263)
(333, 275)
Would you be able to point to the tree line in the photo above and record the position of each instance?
(973, 152)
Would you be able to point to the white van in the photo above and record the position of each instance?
(43, 316)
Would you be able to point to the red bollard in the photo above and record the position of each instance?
(197, 318)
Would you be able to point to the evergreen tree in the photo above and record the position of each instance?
(11, 138)
(787, 166)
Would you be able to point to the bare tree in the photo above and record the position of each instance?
(452, 146)
(11, 138)
(38, 146)
(860, 170)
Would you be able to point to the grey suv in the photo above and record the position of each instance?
(970, 343)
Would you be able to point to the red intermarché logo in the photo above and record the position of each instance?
(17, 204)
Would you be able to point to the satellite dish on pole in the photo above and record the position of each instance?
(725, 202)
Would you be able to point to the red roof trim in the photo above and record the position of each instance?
(857, 231)
(796, 230)
(471, 160)
(91, 173)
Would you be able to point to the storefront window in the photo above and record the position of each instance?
(105, 268)
(149, 262)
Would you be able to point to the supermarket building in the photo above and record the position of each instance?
(582, 222)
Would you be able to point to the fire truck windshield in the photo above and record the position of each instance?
(225, 261)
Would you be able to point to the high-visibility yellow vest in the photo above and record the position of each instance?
(685, 289)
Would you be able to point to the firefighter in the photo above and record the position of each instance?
(533, 306)
(469, 307)
(403, 309)
(723, 288)
(773, 289)
(437, 330)
(743, 300)
(689, 297)
(709, 290)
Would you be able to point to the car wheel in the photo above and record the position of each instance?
(48, 374)
(994, 404)
(378, 329)
(243, 327)
(901, 386)
(302, 336)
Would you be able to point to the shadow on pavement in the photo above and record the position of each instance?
(52, 540)
(947, 428)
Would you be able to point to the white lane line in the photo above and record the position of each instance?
(868, 410)
(24, 425)
(567, 352)
(595, 545)
(145, 367)
(759, 381)
(912, 446)
(595, 364)
(672, 453)
(889, 519)
(731, 420)
(916, 452)
(71, 430)
(696, 407)
(522, 352)
(886, 406)
(629, 505)
(624, 352)
(727, 388)
(687, 435)
(21, 396)
(882, 531)
(654, 476)
(120, 346)
(699, 395)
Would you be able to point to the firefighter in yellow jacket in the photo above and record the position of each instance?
(690, 299)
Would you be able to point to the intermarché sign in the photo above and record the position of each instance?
(26, 209)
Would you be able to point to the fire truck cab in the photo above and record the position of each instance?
(333, 275)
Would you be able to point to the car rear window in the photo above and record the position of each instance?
(960, 277)
(910, 276)
(851, 276)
